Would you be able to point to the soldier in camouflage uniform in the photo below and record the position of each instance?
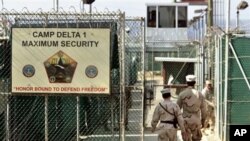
(194, 109)
(169, 115)
(207, 92)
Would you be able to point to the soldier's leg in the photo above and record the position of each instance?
(196, 134)
(188, 132)
(172, 134)
(209, 118)
(162, 135)
(207, 121)
(212, 120)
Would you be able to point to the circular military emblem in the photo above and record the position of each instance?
(28, 70)
(68, 79)
(91, 71)
(52, 79)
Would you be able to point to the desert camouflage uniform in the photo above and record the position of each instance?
(209, 98)
(166, 131)
(194, 112)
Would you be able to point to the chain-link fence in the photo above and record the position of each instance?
(232, 100)
(38, 116)
(134, 78)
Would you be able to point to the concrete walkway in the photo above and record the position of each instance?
(153, 137)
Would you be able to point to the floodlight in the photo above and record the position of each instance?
(88, 1)
(242, 5)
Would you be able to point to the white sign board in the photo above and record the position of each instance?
(61, 60)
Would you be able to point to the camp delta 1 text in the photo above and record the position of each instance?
(59, 44)
(64, 43)
(62, 34)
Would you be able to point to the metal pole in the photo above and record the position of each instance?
(7, 118)
(77, 118)
(202, 53)
(237, 20)
(210, 14)
(77, 108)
(82, 6)
(112, 108)
(226, 67)
(216, 84)
(143, 74)
(2, 4)
(122, 84)
(221, 81)
(90, 8)
(196, 36)
(57, 5)
(209, 23)
(206, 50)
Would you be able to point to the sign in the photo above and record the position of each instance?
(60, 60)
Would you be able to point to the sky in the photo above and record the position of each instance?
(134, 8)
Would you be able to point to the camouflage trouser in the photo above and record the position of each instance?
(167, 134)
(193, 132)
(210, 119)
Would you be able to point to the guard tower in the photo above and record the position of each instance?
(168, 39)
(166, 24)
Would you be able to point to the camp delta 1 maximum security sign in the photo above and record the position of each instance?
(60, 60)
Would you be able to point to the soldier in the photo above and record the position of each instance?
(207, 92)
(169, 115)
(194, 109)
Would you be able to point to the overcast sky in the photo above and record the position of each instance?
(130, 7)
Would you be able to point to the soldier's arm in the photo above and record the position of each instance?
(203, 92)
(179, 102)
(180, 119)
(155, 118)
(210, 103)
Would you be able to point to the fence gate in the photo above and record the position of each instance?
(108, 105)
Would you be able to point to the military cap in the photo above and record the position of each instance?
(165, 91)
(208, 82)
(190, 78)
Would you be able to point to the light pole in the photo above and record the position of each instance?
(2, 4)
(202, 30)
(55, 5)
(241, 6)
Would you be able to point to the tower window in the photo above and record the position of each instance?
(151, 14)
